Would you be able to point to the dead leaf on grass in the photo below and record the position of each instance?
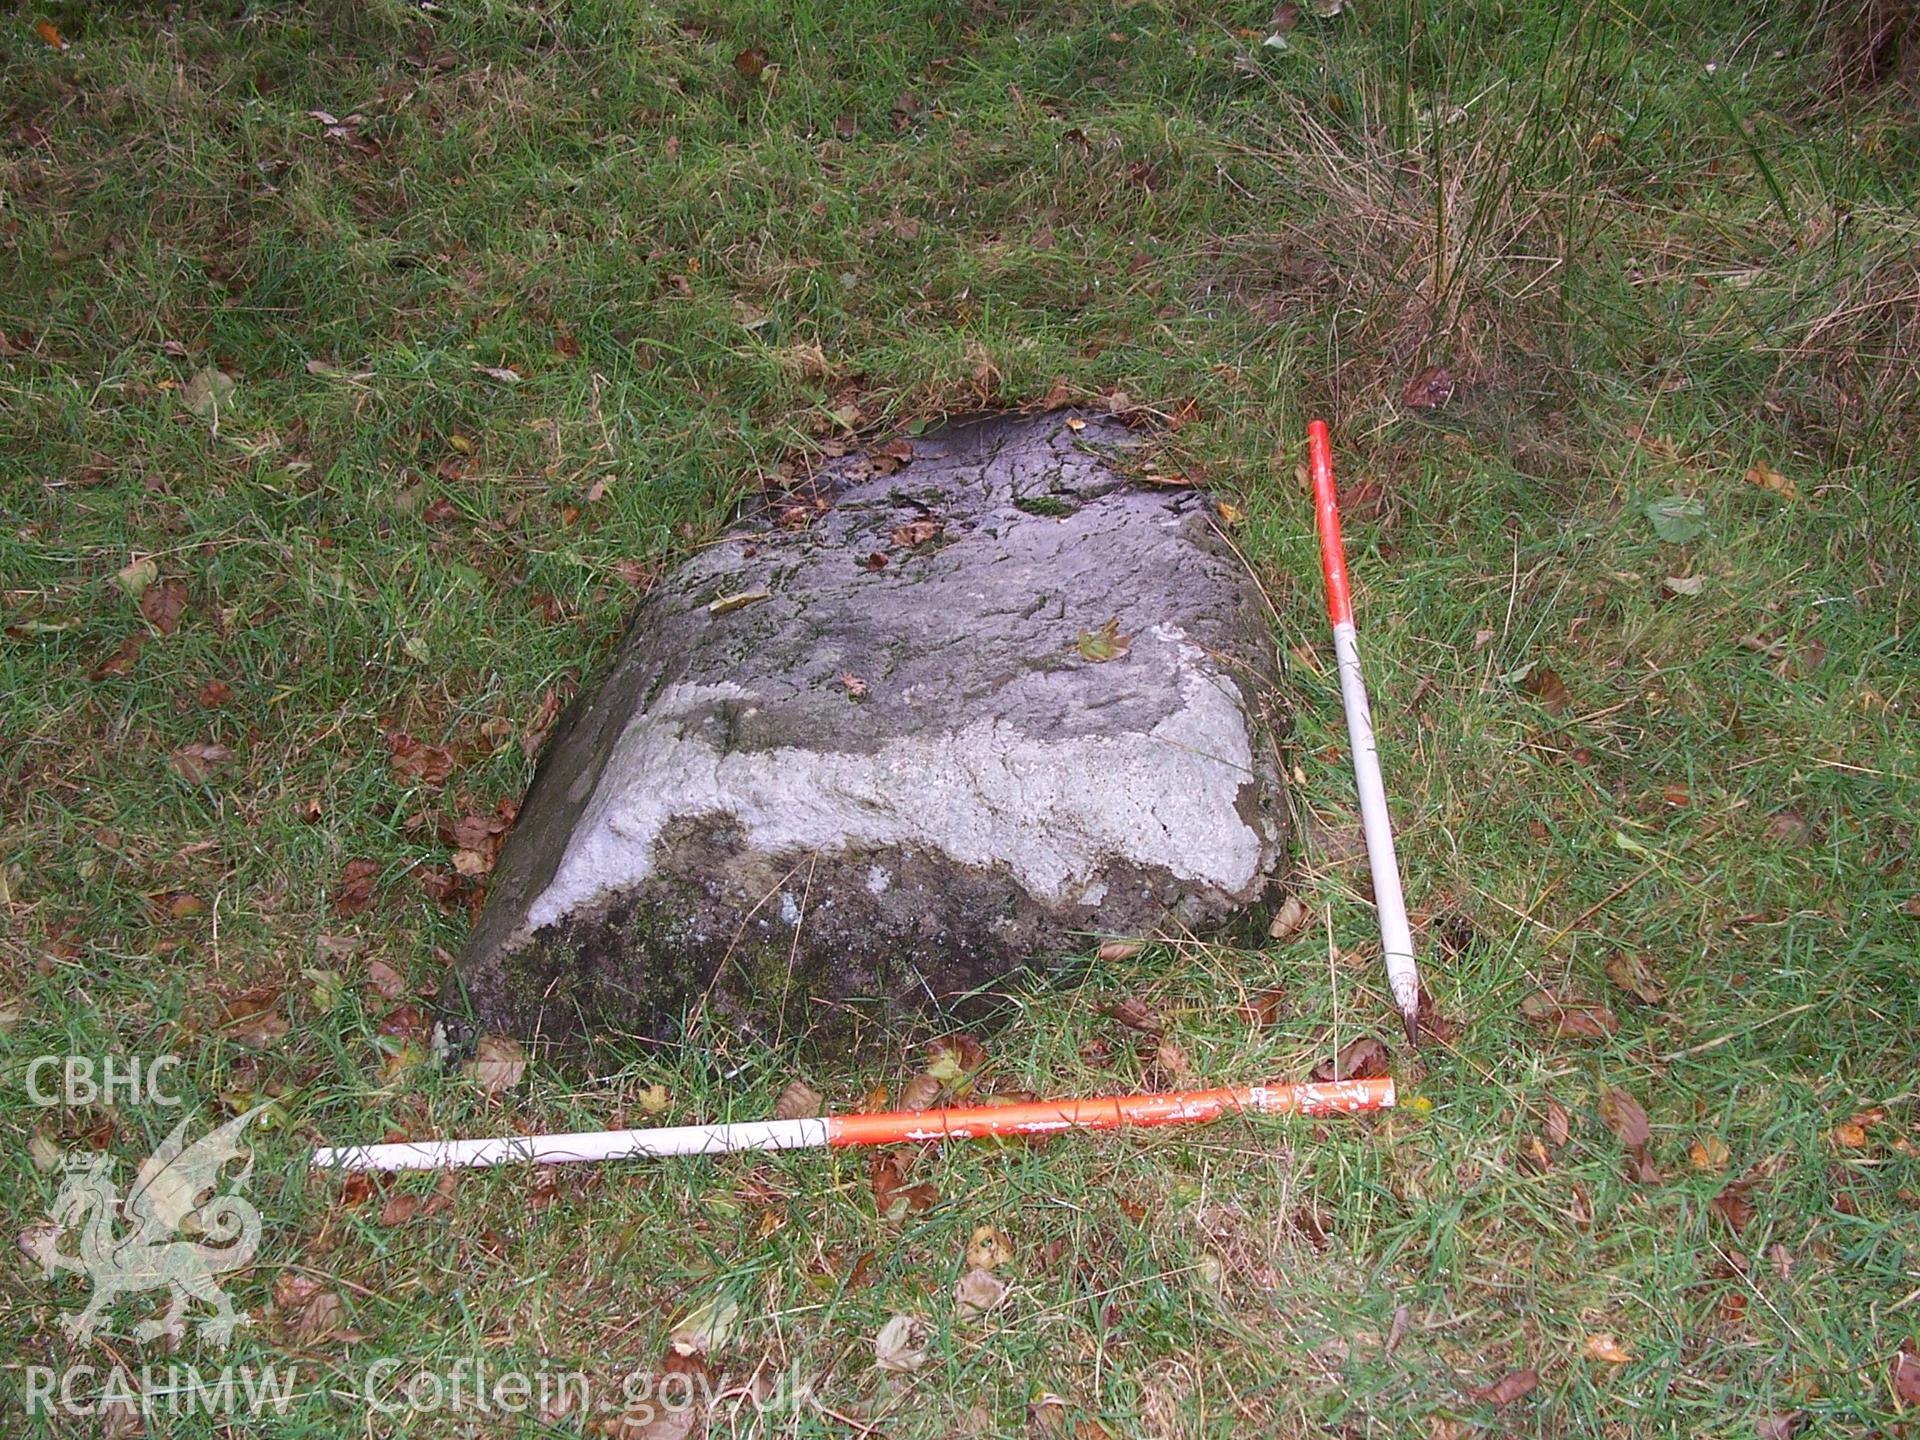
(1289, 920)
(409, 759)
(1172, 1060)
(1265, 1009)
(386, 980)
(1625, 1118)
(707, 1328)
(121, 661)
(1733, 1205)
(1781, 1426)
(162, 605)
(1790, 827)
(1430, 389)
(1905, 1374)
(1633, 975)
(988, 1249)
(355, 890)
(1767, 478)
(922, 1092)
(1133, 1013)
(977, 1292)
(498, 1063)
(1569, 1019)
(255, 1017)
(1709, 1152)
(208, 392)
(1628, 1121)
(1514, 1385)
(893, 1198)
(1362, 1059)
(1558, 1126)
(901, 1344)
(322, 1316)
(1607, 1349)
(798, 1101)
(196, 763)
(1545, 685)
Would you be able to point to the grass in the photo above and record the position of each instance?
(557, 286)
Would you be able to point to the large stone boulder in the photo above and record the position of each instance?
(992, 704)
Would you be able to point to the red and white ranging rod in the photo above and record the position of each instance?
(1396, 936)
(1035, 1117)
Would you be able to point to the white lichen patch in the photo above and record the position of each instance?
(1055, 812)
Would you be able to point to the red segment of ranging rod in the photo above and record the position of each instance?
(1038, 1117)
(1396, 936)
(1326, 514)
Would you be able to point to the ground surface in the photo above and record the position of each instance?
(515, 302)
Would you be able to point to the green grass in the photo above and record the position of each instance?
(1654, 248)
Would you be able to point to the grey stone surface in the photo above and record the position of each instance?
(884, 789)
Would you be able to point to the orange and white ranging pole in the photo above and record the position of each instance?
(1034, 1117)
(1396, 936)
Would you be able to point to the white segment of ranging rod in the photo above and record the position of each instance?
(567, 1149)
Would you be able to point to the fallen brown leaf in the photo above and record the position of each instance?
(1790, 827)
(386, 980)
(321, 1317)
(1134, 1014)
(1265, 1009)
(411, 760)
(214, 694)
(1428, 390)
(1546, 686)
(1625, 1118)
(893, 1198)
(1290, 919)
(1733, 1206)
(1172, 1060)
(1558, 1126)
(1608, 1349)
(355, 890)
(977, 1292)
(922, 1092)
(1767, 478)
(121, 661)
(1362, 1059)
(1905, 1374)
(163, 604)
(916, 532)
(988, 1248)
(498, 1063)
(798, 1102)
(1709, 1152)
(196, 763)
(1514, 1385)
(255, 1017)
(1633, 975)
(1584, 1019)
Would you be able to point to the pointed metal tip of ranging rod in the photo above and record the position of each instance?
(1412, 1016)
